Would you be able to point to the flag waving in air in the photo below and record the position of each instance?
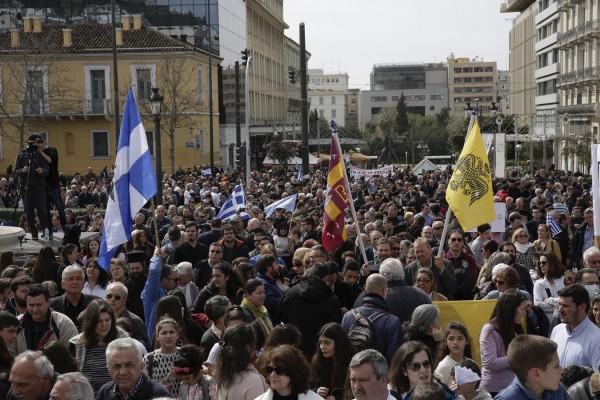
(133, 184)
(288, 203)
(469, 192)
(234, 202)
(334, 231)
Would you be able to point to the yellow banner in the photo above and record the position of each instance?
(472, 313)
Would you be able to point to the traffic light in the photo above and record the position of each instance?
(245, 54)
(240, 156)
(292, 75)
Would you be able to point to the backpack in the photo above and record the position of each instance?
(362, 331)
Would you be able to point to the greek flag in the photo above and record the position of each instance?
(234, 202)
(555, 229)
(289, 203)
(299, 175)
(134, 182)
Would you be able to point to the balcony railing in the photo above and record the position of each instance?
(590, 28)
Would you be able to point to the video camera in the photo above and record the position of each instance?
(31, 146)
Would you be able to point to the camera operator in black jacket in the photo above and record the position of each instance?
(32, 169)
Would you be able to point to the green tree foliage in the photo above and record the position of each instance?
(281, 150)
(402, 124)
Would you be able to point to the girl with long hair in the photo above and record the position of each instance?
(99, 328)
(158, 363)
(236, 376)
(545, 290)
(544, 243)
(503, 326)
(455, 348)
(46, 266)
(91, 249)
(170, 306)
(253, 305)
(225, 281)
(330, 363)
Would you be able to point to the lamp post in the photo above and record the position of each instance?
(156, 105)
(518, 148)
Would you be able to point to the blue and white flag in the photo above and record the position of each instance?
(299, 175)
(289, 203)
(555, 229)
(134, 182)
(234, 202)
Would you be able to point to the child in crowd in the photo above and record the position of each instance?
(466, 377)
(455, 347)
(535, 363)
(159, 363)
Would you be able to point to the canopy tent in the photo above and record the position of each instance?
(425, 165)
(312, 161)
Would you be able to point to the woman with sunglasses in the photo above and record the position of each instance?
(503, 326)
(545, 290)
(425, 280)
(504, 278)
(236, 376)
(288, 374)
(410, 367)
(525, 250)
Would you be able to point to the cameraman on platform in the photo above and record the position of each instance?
(50, 154)
(32, 169)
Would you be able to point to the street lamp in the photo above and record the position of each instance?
(156, 105)
(518, 148)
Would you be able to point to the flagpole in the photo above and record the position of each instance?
(153, 213)
(350, 199)
(449, 212)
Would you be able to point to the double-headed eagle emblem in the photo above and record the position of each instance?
(471, 176)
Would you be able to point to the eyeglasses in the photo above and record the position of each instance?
(521, 236)
(438, 228)
(117, 297)
(543, 262)
(277, 370)
(397, 248)
(423, 280)
(499, 282)
(417, 366)
(215, 251)
(172, 279)
(456, 239)
(40, 141)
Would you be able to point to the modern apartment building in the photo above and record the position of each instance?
(503, 97)
(425, 89)
(58, 81)
(328, 94)
(353, 116)
(471, 81)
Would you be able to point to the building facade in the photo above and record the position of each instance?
(58, 81)
(471, 82)
(425, 89)
(353, 116)
(328, 94)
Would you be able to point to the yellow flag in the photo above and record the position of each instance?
(469, 192)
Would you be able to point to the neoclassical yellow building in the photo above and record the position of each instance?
(59, 81)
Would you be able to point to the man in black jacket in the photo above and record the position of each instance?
(73, 302)
(309, 305)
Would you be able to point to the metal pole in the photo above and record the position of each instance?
(319, 136)
(158, 147)
(210, 93)
(238, 116)
(516, 122)
(544, 161)
(531, 143)
(304, 99)
(247, 107)
(115, 74)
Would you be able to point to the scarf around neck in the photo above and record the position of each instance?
(260, 314)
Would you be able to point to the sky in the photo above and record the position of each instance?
(352, 35)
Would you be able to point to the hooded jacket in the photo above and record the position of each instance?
(309, 305)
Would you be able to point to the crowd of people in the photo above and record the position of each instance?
(254, 307)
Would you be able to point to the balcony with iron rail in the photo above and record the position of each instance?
(587, 31)
(564, 5)
(70, 108)
(580, 76)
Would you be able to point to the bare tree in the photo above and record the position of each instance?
(33, 89)
(177, 78)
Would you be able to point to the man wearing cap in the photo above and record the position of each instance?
(136, 282)
(160, 280)
(32, 169)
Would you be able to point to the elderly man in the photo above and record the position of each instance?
(73, 302)
(442, 269)
(72, 386)
(368, 376)
(185, 272)
(31, 377)
(125, 366)
(116, 296)
(591, 258)
(40, 324)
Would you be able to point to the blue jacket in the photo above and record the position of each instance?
(272, 294)
(151, 294)
(388, 330)
(516, 391)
